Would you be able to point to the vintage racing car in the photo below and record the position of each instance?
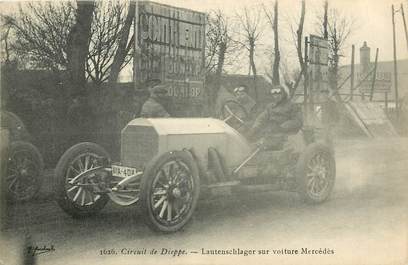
(166, 163)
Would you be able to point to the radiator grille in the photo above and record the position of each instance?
(139, 145)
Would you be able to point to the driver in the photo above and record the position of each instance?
(280, 118)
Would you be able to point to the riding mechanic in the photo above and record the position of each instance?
(153, 107)
(241, 95)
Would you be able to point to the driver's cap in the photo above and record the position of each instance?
(160, 89)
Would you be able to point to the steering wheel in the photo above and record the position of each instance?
(233, 113)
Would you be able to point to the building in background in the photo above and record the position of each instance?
(384, 87)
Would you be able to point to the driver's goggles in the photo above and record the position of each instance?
(275, 91)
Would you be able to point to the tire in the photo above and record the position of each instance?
(316, 173)
(64, 192)
(169, 194)
(24, 172)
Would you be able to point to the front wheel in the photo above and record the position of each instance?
(170, 190)
(24, 171)
(74, 181)
(316, 173)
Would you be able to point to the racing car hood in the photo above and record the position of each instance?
(142, 139)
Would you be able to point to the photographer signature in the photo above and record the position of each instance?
(36, 250)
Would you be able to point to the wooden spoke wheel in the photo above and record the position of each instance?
(170, 189)
(76, 184)
(316, 172)
(24, 171)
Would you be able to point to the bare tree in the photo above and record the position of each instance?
(252, 30)
(109, 47)
(325, 20)
(125, 45)
(299, 35)
(339, 28)
(273, 21)
(219, 46)
(217, 41)
(298, 40)
(41, 35)
(77, 46)
(6, 23)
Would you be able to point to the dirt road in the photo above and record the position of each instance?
(364, 222)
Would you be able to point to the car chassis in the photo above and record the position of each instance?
(167, 163)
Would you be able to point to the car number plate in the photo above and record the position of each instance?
(121, 171)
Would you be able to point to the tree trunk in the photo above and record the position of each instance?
(325, 20)
(275, 75)
(299, 42)
(6, 46)
(218, 72)
(123, 47)
(252, 65)
(299, 35)
(79, 113)
(77, 47)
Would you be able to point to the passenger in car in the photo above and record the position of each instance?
(153, 107)
(244, 99)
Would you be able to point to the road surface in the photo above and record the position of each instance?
(364, 222)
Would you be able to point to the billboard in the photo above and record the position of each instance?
(318, 63)
(318, 59)
(170, 47)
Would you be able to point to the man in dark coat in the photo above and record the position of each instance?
(153, 107)
(280, 118)
(241, 94)
(271, 129)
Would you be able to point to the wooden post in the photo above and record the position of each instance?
(312, 92)
(395, 63)
(374, 76)
(136, 48)
(352, 73)
(306, 79)
(310, 85)
(405, 24)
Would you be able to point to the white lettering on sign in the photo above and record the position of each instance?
(170, 31)
(184, 92)
(171, 47)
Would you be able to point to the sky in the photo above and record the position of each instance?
(373, 17)
(372, 23)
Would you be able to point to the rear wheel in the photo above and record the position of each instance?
(170, 190)
(316, 173)
(24, 171)
(79, 198)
